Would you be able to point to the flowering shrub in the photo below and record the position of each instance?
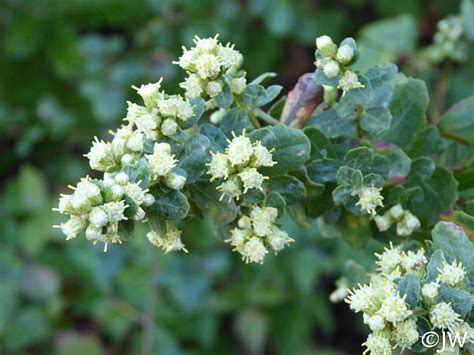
(353, 149)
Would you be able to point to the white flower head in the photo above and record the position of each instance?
(263, 219)
(361, 299)
(349, 81)
(377, 344)
(135, 192)
(89, 190)
(408, 224)
(452, 274)
(100, 156)
(238, 85)
(375, 322)
(369, 198)
(161, 161)
(175, 106)
(219, 167)
(169, 242)
(231, 188)
(323, 41)
(149, 92)
(229, 57)
(206, 45)
(345, 54)
(175, 181)
(193, 86)
(389, 260)
(396, 211)
(430, 291)
(239, 150)
(383, 222)
(443, 316)
(73, 227)
(148, 199)
(414, 262)
(251, 179)
(135, 142)
(169, 127)
(331, 69)
(208, 66)
(405, 334)
(278, 239)
(263, 157)
(115, 210)
(238, 237)
(253, 251)
(394, 309)
(93, 233)
(98, 217)
(213, 88)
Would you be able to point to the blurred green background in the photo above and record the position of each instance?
(66, 68)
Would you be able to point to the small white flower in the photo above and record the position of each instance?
(263, 219)
(135, 112)
(73, 227)
(278, 239)
(430, 291)
(377, 344)
(121, 178)
(127, 159)
(150, 92)
(251, 179)
(135, 192)
(452, 274)
(375, 322)
(245, 222)
(383, 222)
(65, 205)
(89, 190)
(262, 155)
(188, 59)
(148, 200)
(345, 54)
(208, 66)
(405, 334)
(171, 241)
(100, 156)
(361, 299)
(414, 262)
(238, 237)
(396, 211)
(231, 188)
(331, 69)
(349, 81)
(254, 251)
(238, 85)
(323, 41)
(115, 210)
(213, 88)
(369, 198)
(80, 203)
(169, 127)
(93, 233)
(394, 309)
(219, 166)
(389, 260)
(206, 45)
(193, 86)
(239, 150)
(175, 106)
(229, 57)
(139, 215)
(135, 142)
(161, 161)
(408, 224)
(218, 116)
(443, 316)
(114, 192)
(98, 217)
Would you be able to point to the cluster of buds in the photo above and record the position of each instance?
(162, 114)
(98, 206)
(238, 165)
(162, 164)
(406, 221)
(369, 198)
(168, 240)
(333, 61)
(256, 233)
(392, 321)
(449, 34)
(206, 64)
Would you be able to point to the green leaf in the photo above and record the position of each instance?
(359, 158)
(436, 262)
(458, 121)
(257, 95)
(342, 194)
(290, 147)
(225, 98)
(409, 285)
(321, 146)
(289, 187)
(462, 219)
(399, 162)
(217, 138)
(440, 192)
(323, 170)
(355, 230)
(275, 199)
(209, 200)
(452, 240)
(126, 229)
(32, 189)
(347, 105)
(262, 77)
(199, 106)
(381, 74)
(235, 120)
(171, 205)
(29, 326)
(73, 343)
(460, 300)
(376, 120)
(408, 107)
(332, 125)
(193, 156)
(467, 12)
(139, 172)
(427, 142)
(321, 79)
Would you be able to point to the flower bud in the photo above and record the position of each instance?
(169, 127)
(73, 227)
(93, 232)
(121, 178)
(127, 159)
(150, 93)
(148, 200)
(213, 88)
(175, 180)
(114, 193)
(430, 291)
(345, 54)
(245, 222)
(383, 222)
(65, 205)
(331, 69)
(139, 215)
(98, 217)
(118, 146)
(135, 142)
(81, 204)
(238, 85)
(326, 46)
(217, 116)
(154, 238)
(100, 156)
(396, 211)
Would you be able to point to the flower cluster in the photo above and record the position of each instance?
(449, 34)
(406, 221)
(238, 165)
(170, 240)
(369, 198)
(162, 114)
(99, 206)
(390, 317)
(333, 61)
(256, 233)
(206, 63)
